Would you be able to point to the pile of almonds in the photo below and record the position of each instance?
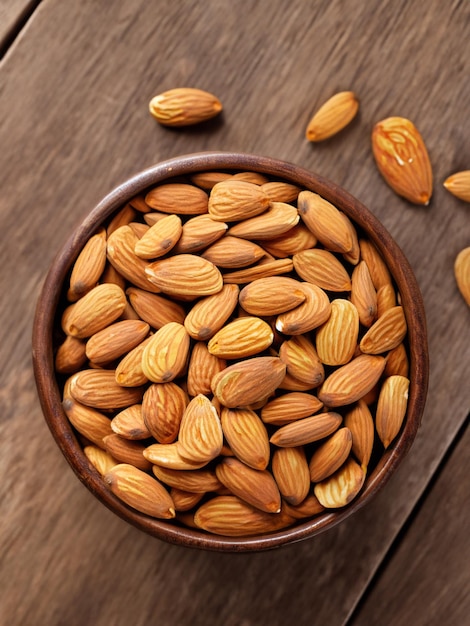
(233, 353)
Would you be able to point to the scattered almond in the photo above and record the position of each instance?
(334, 115)
(184, 106)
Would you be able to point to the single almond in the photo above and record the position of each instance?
(235, 200)
(353, 255)
(310, 507)
(360, 422)
(206, 180)
(249, 381)
(378, 269)
(386, 333)
(129, 372)
(185, 500)
(232, 252)
(138, 203)
(89, 265)
(290, 407)
(325, 221)
(290, 471)
(302, 361)
(294, 240)
(163, 405)
(386, 299)
(330, 455)
(397, 361)
(159, 238)
(402, 159)
(323, 269)
(391, 408)
(313, 312)
(336, 339)
(271, 296)
(115, 340)
(196, 480)
(247, 436)
(155, 309)
(352, 381)
(94, 311)
(123, 217)
(209, 314)
(200, 436)
(257, 487)
(198, 233)
(89, 422)
(184, 106)
(169, 455)
(165, 356)
(280, 191)
(98, 389)
(140, 491)
(127, 451)
(336, 113)
(111, 275)
(232, 517)
(459, 185)
(185, 275)
(363, 294)
(178, 198)
(101, 460)
(291, 383)
(462, 273)
(129, 423)
(277, 220)
(306, 430)
(341, 487)
(252, 177)
(203, 366)
(70, 356)
(153, 217)
(260, 270)
(245, 336)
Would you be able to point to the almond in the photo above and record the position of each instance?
(377, 267)
(277, 220)
(361, 425)
(138, 203)
(203, 366)
(459, 185)
(330, 455)
(209, 314)
(352, 381)
(397, 362)
(230, 252)
(402, 159)
(294, 240)
(155, 309)
(386, 299)
(127, 451)
(336, 113)
(341, 487)
(129, 423)
(88, 421)
(196, 481)
(98, 389)
(260, 270)
(386, 333)
(252, 177)
(279, 191)
(257, 487)
(313, 312)
(115, 340)
(166, 354)
(163, 405)
(290, 407)
(231, 516)
(302, 361)
(185, 500)
(89, 265)
(70, 355)
(200, 436)
(325, 221)
(247, 436)
(169, 455)
(94, 311)
(246, 382)
(206, 180)
(140, 491)
(353, 256)
(336, 339)
(129, 372)
(184, 106)
(271, 296)
(363, 294)
(391, 408)
(235, 200)
(245, 336)
(290, 470)
(159, 238)
(122, 218)
(306, 430)
(198, 233)
(180, 198)
(323, 269)
(307, 508)
(185, 275)
(101, 460)
(462, 273)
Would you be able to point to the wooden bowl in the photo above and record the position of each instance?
(46, 324)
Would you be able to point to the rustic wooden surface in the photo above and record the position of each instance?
(75, 86)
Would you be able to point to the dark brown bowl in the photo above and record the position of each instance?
(48, 384)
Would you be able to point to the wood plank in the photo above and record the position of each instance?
(73, 123)
(13, 15)
(426, 579)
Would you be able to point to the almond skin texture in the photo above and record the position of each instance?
(178, 198)
(314, 311)
(278, 219)
(247, 382)
(459, 185)
(342, 487)
(115, 340)
(245, 336)
(232, 252)
(198, 233)
(203, 366)
(127, 451)
(325, 222)
(130, 424)
(209, 314)
(89, 265)
(160, 238)
(306, 430)
(402, 159)
(462, 273)
(168, 455)
(386, 333)
(329, 457)
(352, 381)
(98, 389)
(71, 355)
(294, 240)
(336, 113)
(200, 436)
(101, 460)
(363, 294)
(336, 340)
(184, 106)
(155, 309)
(360, 422)
(290, 407)
(185, 275)
(391, 408)
(197, 480)
(165, 356)
(302, 361)
(323, 269)
(88, 421)
(140, 491)
(247, 436)
(290, 470)
(271, 296)
(163, 406)
(236, 200)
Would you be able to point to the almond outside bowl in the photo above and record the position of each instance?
(49, 385)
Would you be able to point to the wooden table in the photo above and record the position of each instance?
(75, 83)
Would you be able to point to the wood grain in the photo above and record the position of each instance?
(73, 123)
(13, 17)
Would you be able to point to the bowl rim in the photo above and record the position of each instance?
(48, 389)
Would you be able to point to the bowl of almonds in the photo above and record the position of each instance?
(230, 352)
